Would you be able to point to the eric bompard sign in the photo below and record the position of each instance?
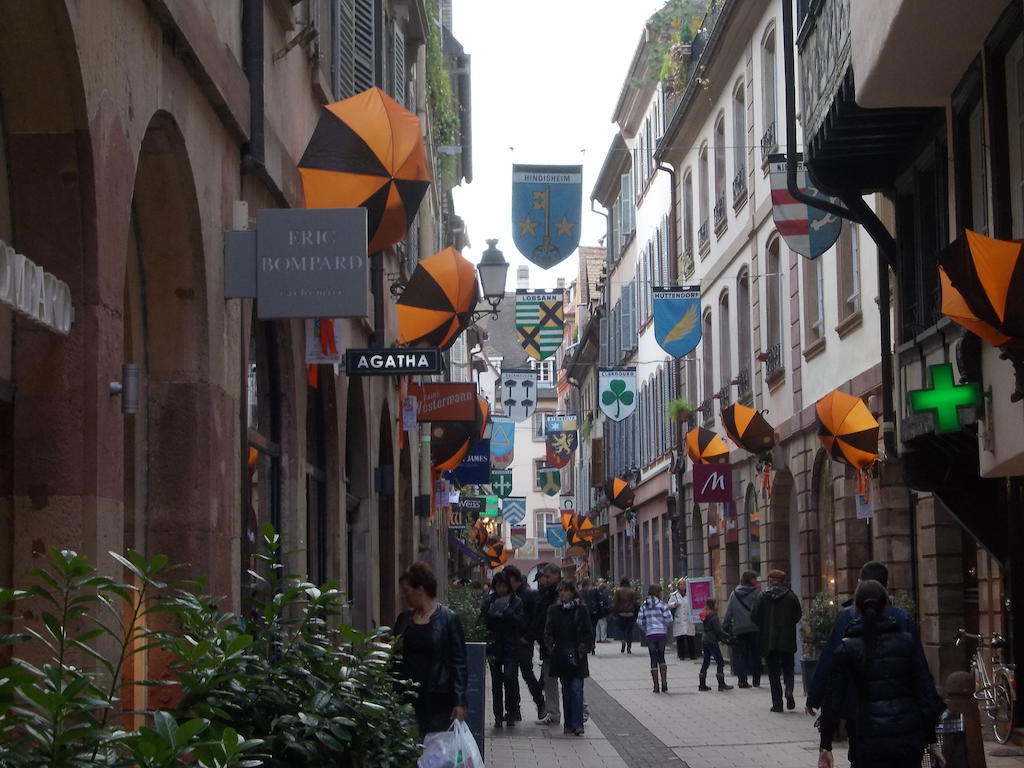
(33, 292)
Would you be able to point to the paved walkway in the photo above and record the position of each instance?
(631, 727)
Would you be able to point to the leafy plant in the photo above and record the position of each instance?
(466, 600)
(817, 623)
(587, 428)
(904, 600)
(618, 395)
(677, 409)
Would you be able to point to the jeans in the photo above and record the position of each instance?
(625, 625)
(686, 647)
(550, 691)
(780, 665)
(572, 701)
(712, 652)
(525, 661)
(593, 632)
(602, 630)
(748, 660)
(656, 649)
(505, 688)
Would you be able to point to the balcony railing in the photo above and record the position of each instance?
(774, 363)
(739, 186)
(724, 397)
(703, 241)
(768, 142)
(707, 411)
(743, 389)
(720, 218)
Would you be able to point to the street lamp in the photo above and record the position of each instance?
(492, 270)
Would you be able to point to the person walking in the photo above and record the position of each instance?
(547, 596)
(602, 623)
(525, 656)
(776, 613)
(502, 613)
(624, 606)
(567, 639)
(713, 634)
(682, 623)
(597, 607)
(655, 619)
(433, 652)
(897, 707)
(744, 631)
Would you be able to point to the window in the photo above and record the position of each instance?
(709, 357)
(848, 269)
(544, 518)
(364, 44)
(739, 141)
(753, 530)
(769, 142)
(703, 196)
(627, 211)
(720, 218)
(773, 305)
(538, 424)
(316, 479)
(1014, 71)
(743, 330)
(814, 303)
(545, 370)
(978, 170)
(538, 465)
(724, 342)
(688, 249)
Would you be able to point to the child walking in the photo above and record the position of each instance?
(713, 634)
(655, 620)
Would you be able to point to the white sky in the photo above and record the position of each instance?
(546, 75)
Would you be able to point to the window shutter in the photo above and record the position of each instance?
(345, 63)
(364, 44)
(398, 63)
(625, 198)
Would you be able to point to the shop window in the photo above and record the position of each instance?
(316, 479)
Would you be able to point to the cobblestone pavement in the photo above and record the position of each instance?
(631, 727)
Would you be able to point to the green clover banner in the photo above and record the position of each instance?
(616, 391)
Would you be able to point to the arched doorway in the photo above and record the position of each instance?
(752, 519)
(824, 561)
(358, 558)
(781, 528)
(698, 543)
(406, 517)
(387, 562)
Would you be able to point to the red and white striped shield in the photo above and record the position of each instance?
(807, 230)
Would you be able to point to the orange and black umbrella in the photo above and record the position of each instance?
(582, 530)
(480, 534)
(367, 152)
(988, 274)
(438, 302)
(450, 442)
(847, 429)
(955, 308)
(706, 447)
(748, 428)
(496, 553)
(619, 493)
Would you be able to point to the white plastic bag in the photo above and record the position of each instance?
(455, 748)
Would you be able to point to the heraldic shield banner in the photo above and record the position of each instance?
(539, 322)
(616, 392)
(503, 441)
(807, 230)
(549, 480)
(547, 202)
(518, 394)
(677, 318)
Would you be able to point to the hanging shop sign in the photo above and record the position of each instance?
(677, 318)
(301, 263)
(391, 361)
(945, 398)
(444, 401)
(475, 469)
(712, 483)
(807, 230)
(33, 292)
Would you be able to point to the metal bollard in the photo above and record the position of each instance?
(962, 745)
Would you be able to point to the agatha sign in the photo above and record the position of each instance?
(391, 361)
(33, 292)
(301, 263)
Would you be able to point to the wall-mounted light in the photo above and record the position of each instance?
(127, 388)
(493, 270)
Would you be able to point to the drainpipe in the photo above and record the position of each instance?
(858, 211)
(253, 154)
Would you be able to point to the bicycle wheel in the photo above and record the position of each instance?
(1001, 710)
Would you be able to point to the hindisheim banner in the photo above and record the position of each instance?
(547, 206)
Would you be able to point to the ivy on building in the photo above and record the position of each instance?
(445, 109)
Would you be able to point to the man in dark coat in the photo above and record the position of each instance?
(525, 659)
(776, 614)
(547, 595)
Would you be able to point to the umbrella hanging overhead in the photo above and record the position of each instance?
(619, 493)
(451, 441)
(582, 531)
(438, 301)
(955, 308)
(989, 275)
(367, 152)
(748, 428)
(706, 447)
(496, 553)
(847, 429)
(480, 534)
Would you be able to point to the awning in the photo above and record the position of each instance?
(459, 544)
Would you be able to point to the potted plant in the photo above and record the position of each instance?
(815, 629)
(678, 409)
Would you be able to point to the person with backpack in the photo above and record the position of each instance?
(655, 619)
(624, 605)
(502, 613)
(713, 635)
(738, 624)
(597, 606)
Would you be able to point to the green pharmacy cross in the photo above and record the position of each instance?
(945, 398)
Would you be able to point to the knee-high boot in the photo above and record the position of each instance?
(654, 679)
(663, 668)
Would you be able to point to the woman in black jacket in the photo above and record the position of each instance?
(567, 637)
(433, 651)
(502, 613)
(897, 706)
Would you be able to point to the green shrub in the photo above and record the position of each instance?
(466, 601)
(817, 622)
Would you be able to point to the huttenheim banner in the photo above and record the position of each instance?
(677, 318)
(547, 201)
(301, 263)
(444, 401)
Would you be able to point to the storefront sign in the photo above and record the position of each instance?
(712, 482)
(444, 401)
(33, 292)
(945, 398)
(698, 591)
(301, 263)
(392, 361)
(475, 469)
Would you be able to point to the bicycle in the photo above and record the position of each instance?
(995, 688)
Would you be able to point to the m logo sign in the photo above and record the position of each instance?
(712, 483)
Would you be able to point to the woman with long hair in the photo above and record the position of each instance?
(567, 637)
(624, 606)
(897, 706)
(655, 620)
